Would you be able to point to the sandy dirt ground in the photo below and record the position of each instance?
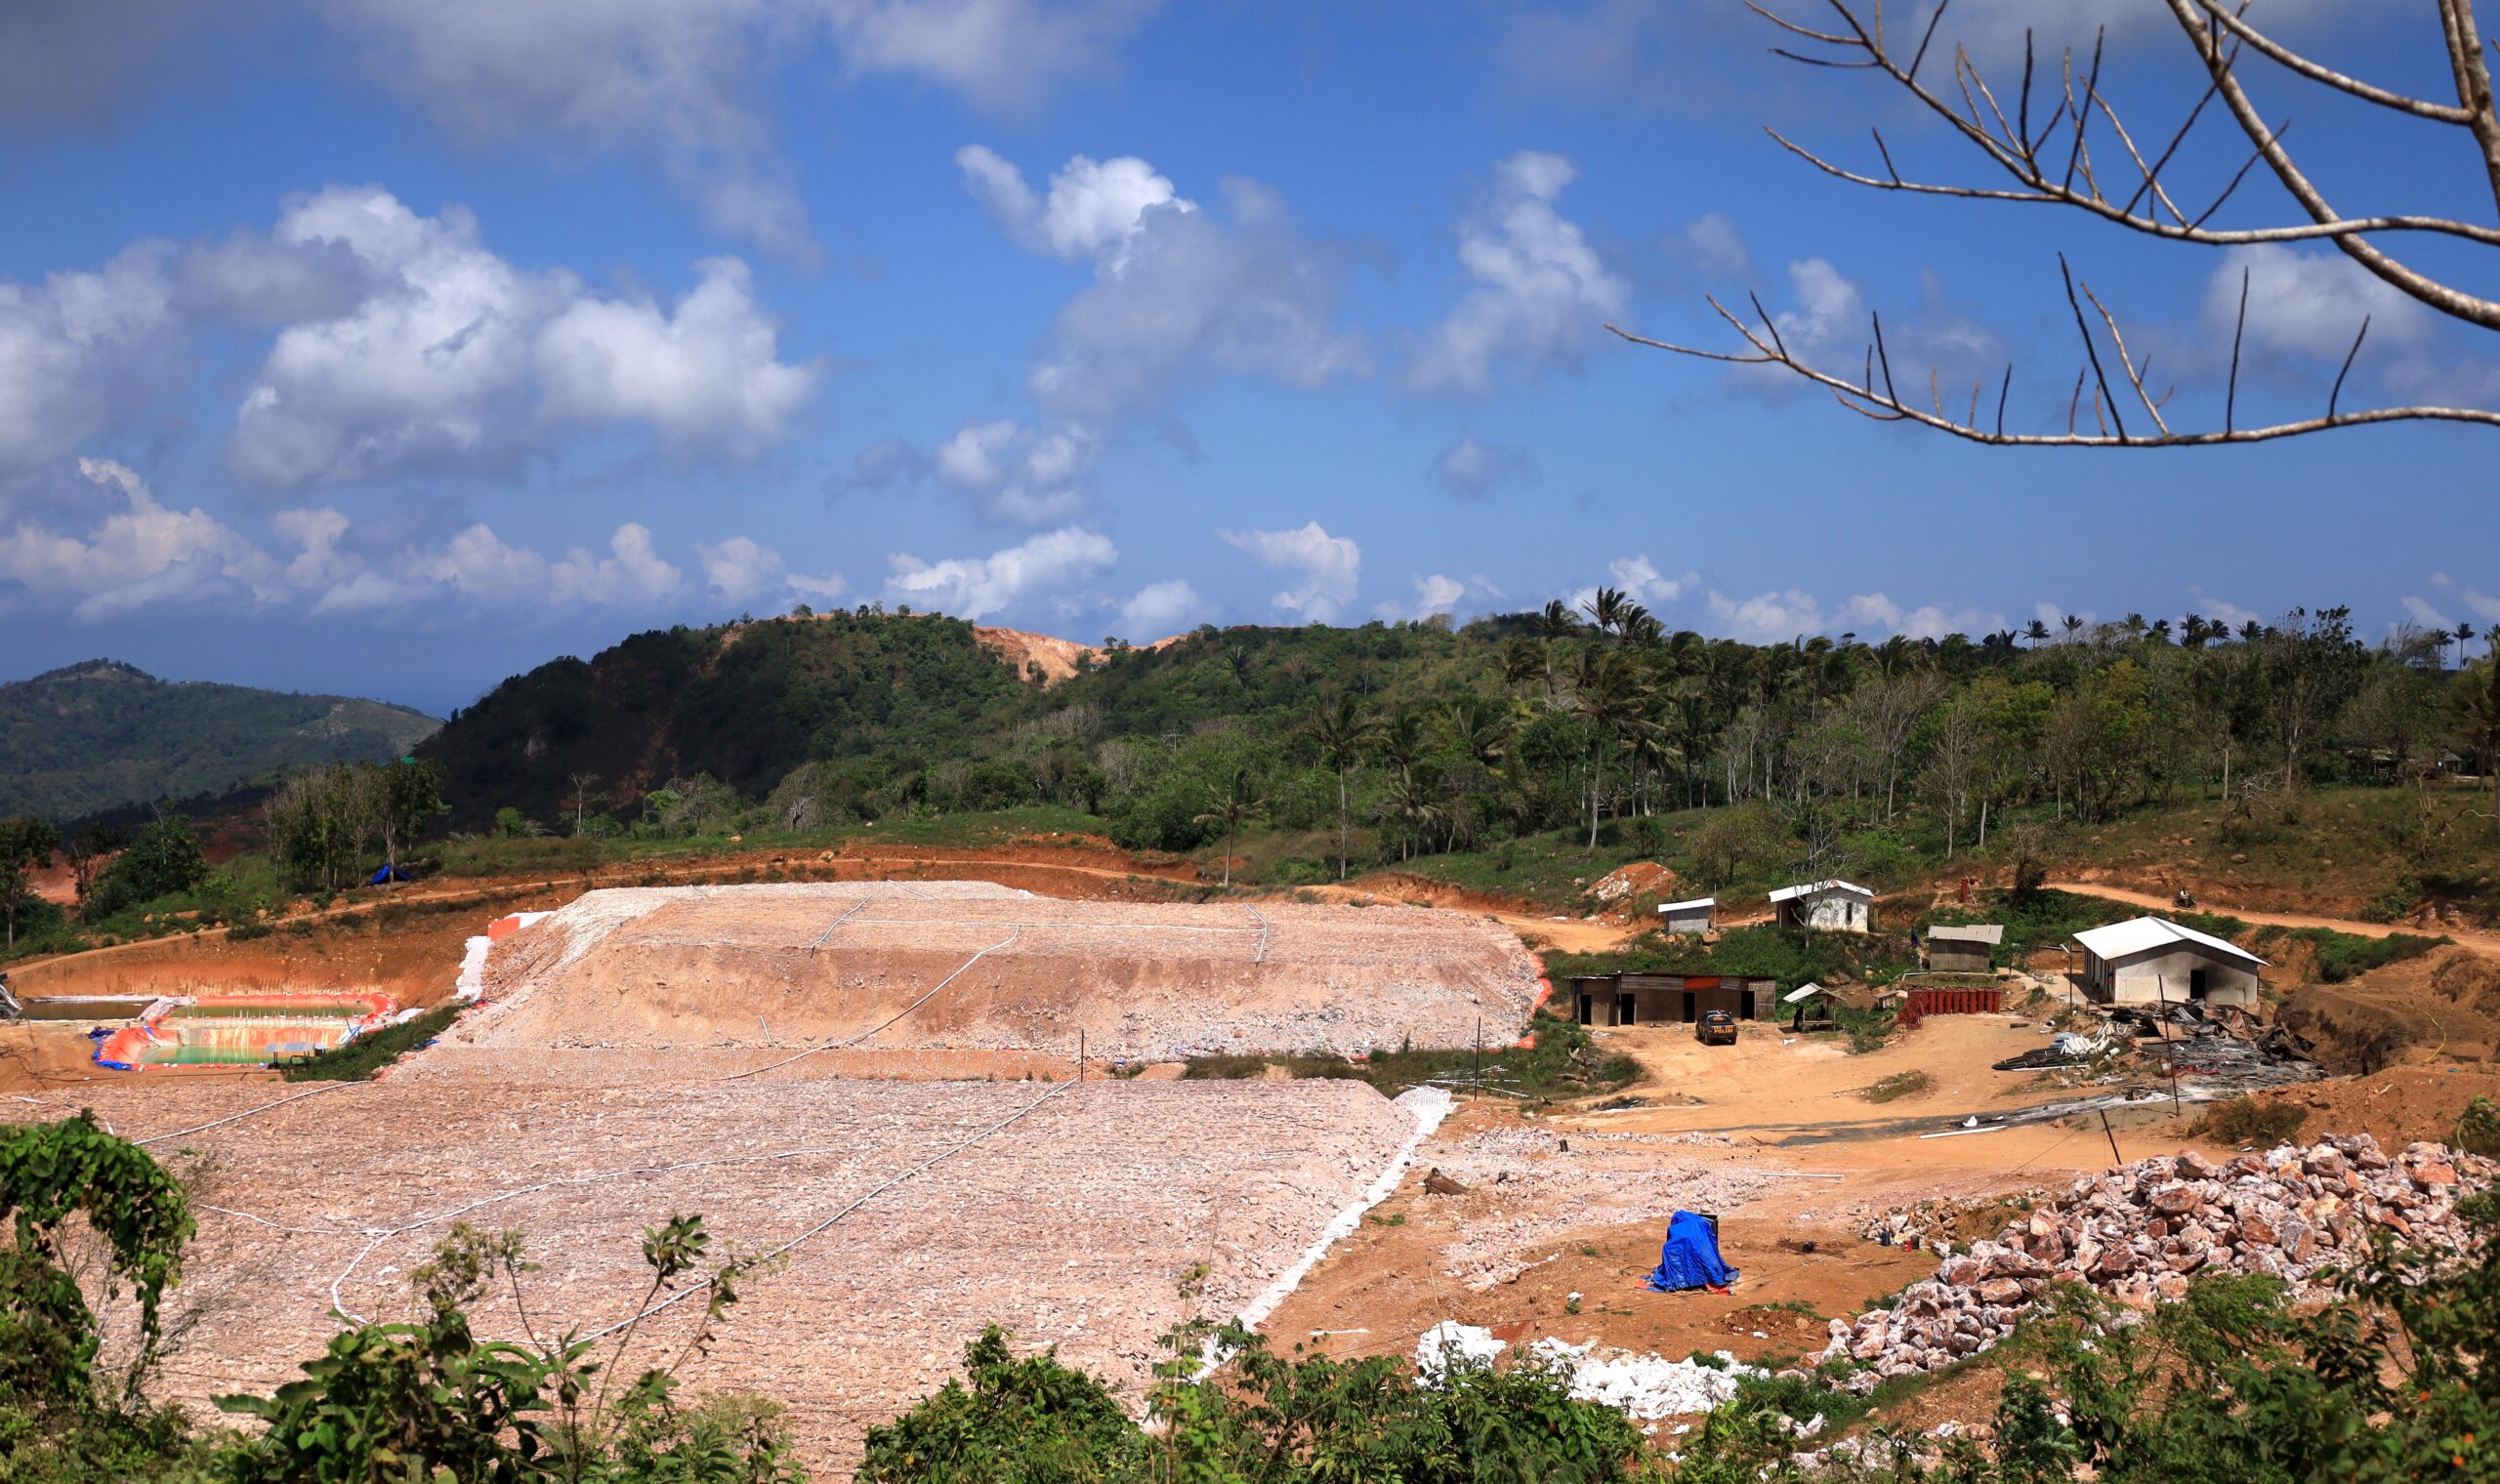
(1068, 1213)
(1770, 1134)
(973, 965)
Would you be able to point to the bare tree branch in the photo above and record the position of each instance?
(1885, 410)
(2276, 51)
(2218, 33)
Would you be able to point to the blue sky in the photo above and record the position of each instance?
(396, 346)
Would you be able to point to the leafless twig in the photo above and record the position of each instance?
(2220, 34)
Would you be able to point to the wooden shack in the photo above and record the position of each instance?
(1659, 999)
(1963, 949)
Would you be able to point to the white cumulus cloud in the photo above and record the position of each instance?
(675, 82)
(137, 551)
(1538, 292)
(1179, 293)
(1160, 609)
(457, 358)
(1440, 592)
(975, 587)
(1026, 476)
(1328, 569)
(741, 569)
(1094, 208)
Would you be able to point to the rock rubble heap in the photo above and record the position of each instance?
(2140, 1232)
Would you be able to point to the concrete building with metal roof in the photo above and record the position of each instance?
(1699, 915)
(2152, 960)
(1832, 906)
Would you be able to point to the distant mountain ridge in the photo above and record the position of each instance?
(101, 735)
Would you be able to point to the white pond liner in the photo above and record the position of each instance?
(1427, 1106)
(470, 987)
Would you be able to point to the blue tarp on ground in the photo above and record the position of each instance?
(388, 874)
(1691, 1256)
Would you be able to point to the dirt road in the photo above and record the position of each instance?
(2486, 944)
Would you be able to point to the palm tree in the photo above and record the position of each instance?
(1400, 741)
(1232, 807)
(2191, 630)
(1343, 732)
(1553, 626)
(2073, 624)
(1606, 608)
(2465, 637)
(1521, 659)
(1607, 694)
(2037, 632)
(1479, 727)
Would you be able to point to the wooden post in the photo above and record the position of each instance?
(2114, 1155)
(1080, 1054)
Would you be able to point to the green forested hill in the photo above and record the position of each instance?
(101, 736)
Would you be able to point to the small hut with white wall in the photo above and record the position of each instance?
(1699, 915)
(1830, 906)
(2153, 961)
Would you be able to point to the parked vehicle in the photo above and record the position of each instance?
(1716, 1027)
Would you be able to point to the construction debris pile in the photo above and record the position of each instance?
(1642, 1386)
(2138, 1234)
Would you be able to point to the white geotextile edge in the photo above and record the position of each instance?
(1427, 1106)
(472, 983)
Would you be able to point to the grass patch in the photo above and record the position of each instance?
(370, 1053)
(1564, 1063)
(2044, 918)
(2244, 1120)
(2342, 956)
(1898, 1085)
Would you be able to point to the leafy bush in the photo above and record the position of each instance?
(1262, 1418)
(2477, 1130)
(164, 860)
(2342, 956)
(357, 1061)
(2243, 1120)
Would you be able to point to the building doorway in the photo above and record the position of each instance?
(1625, 1010)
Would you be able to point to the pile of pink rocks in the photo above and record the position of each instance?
(2138, 1233)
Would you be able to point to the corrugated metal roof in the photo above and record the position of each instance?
(1990, 933)
(1816, 889)
(2119, 939)
(1698, 901)
(1802, 993)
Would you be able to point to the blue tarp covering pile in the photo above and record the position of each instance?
(386, 874)
(1690, 1258)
